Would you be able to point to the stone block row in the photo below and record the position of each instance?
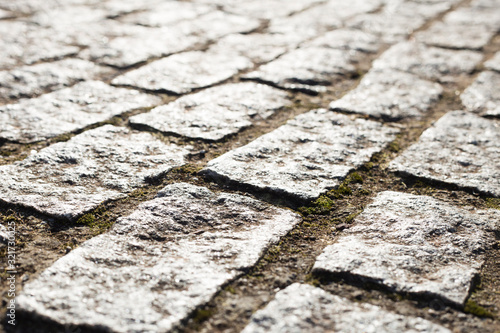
(483, 96)
(157, 265)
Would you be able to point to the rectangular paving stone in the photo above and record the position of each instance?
(215, 113)
(494, 63)
(483, 96)
(347, 39)
(157, 265)
(304, 308)
(304, 158)
(183, 72)
(70, 178)
(68, 110)
(390, 95)
(30, 81)
(430, 63)
(271, 9)
(309, 69)
(414, 244)
(460, 149)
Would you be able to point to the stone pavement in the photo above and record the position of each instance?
(250, 165)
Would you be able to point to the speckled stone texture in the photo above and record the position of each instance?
(69, 178)
(347, 39)
(29, 81)
(307, 156)
(390, 95)
(158, 264)
(461, 149)
(215, 113)
(483, 95)
(304, 308)
(494, 63)
(309, 69)
(272, 8)
(68, 110)
(430, 63)
(184, 72)
(414, 244)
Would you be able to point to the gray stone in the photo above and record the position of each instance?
(271, 9)
(29, 81)
(6, 14)
(483, 96)
(460, 149)
(391, 95)
(158, 264)
(122, 7)
(70, 178)
(304, 308)
(414, 244)
(306, 157)
(347, 39)
(4, 235)
(68, 110)
(59, 17)
(428, 62)
(215, 113)
(309, 69)
(494, 63)
(183, 72)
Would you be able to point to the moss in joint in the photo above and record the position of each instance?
(477, 310)
(493, 203)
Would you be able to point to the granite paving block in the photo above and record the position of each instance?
(183, 72)
(414, 244)
(347, 39)
(494, 63)
(309, 69)
(304, 158)
(304, 308)
(390, 95)
(461, 149)
(68, 110)
(29, 81)
(70, 178)
(6, 14)
(430, 63)
(483, 95)
(271, 9)
(157, 265)
(215, 113)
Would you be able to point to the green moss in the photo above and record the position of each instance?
(493, 203)
(230, 289)
(341, 191)
(367, 166)
(99, 220)
(202, 314)
(187, 168)
(394, 147)
(364, 191)
(351, 217)
(477, 310)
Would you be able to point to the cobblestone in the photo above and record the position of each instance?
(494, 63)
(215, 113)
(414, 244)
(391, 95)
(272, 9)
(304, 308)
(68, 110)
(69, 178)
(460, 149)
(347, 39)
(304, 158)
(158, 264)
(483, 96)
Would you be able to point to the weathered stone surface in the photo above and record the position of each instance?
(158, 264)
(304, 308)
(68, 110)
(24, 43)
(308, 69)
(347, 39)
(307, 156)
(414, 244)
(460, 149)
(494, 63)
(215, 113)
(483, 96)
(181, 73)
(60, 17)
(428, 62)
(271, 9)
(5, 14)
(391, 95)
(29, 81)
(69, 178)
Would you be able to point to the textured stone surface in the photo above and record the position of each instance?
(461, 149)
(68, 110)
(391, 95)
(309, 155)
(215, 113)
(347, 39)
(309, 69)
(158, 264)
(69, 178)
(271, 9)
(428, 62)
(483, 96)
(184, 72)
(29, 81)
(304, 308)
(494, 63)
(414, 244)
